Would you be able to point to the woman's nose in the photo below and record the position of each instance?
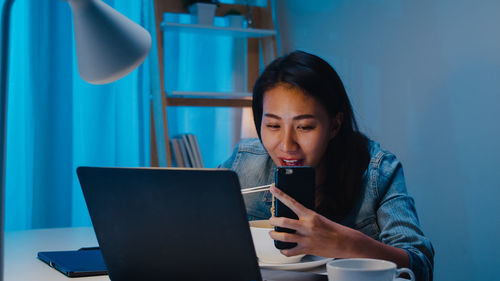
(288, 143)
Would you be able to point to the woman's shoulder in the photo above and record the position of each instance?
(379, 156)
(385, 171)
(251, 145)
(251, 162)
(247, 152)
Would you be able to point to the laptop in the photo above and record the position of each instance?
(171, 224)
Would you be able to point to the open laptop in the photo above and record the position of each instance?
(171, 224)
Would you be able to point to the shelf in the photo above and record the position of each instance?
(217, 30)
(211, 102)
(210, 95)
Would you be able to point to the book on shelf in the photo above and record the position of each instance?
(184, 155)
(196, 150)
(189, 151)
(186, 151)
(177, 154)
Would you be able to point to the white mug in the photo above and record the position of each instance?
(364, 269)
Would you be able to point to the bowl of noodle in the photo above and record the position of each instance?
(264, 244)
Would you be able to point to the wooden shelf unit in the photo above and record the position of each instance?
(262, 36)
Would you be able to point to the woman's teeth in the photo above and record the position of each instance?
(291, 162)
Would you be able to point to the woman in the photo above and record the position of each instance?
(303, 117)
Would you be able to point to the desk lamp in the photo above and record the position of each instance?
(108, 47)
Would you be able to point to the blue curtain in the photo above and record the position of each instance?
(57, 122)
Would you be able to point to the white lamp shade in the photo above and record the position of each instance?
(108, 44)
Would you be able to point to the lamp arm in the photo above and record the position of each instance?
(4, 71)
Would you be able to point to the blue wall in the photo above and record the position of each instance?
(424, 79)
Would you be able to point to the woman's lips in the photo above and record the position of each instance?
(291, 162)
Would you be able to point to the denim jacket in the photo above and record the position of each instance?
(384, 212)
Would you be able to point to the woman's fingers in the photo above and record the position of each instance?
(284, 236)
(297, 250)
(285, 222)
(291, 203)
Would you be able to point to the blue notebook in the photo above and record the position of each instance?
(83, 262)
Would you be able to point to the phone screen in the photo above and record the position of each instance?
(298, 183)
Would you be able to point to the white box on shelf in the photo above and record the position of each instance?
(204, 13)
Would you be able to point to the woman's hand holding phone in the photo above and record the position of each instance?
(315, 234)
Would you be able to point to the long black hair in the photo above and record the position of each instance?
(347, 154)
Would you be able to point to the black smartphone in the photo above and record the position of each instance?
(298, 183)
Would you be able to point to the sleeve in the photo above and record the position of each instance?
(398, 220)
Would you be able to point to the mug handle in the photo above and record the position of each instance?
(400, 271)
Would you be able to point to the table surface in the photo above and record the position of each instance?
(21, 248)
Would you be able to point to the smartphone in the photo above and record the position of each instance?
(298, 183)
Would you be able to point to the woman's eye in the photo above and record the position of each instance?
(305, 128)
(272, 126)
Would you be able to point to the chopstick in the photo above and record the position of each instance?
(255, 189)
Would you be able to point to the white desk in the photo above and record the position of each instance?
(21, 248)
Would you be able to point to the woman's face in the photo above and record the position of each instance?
(295, 127)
